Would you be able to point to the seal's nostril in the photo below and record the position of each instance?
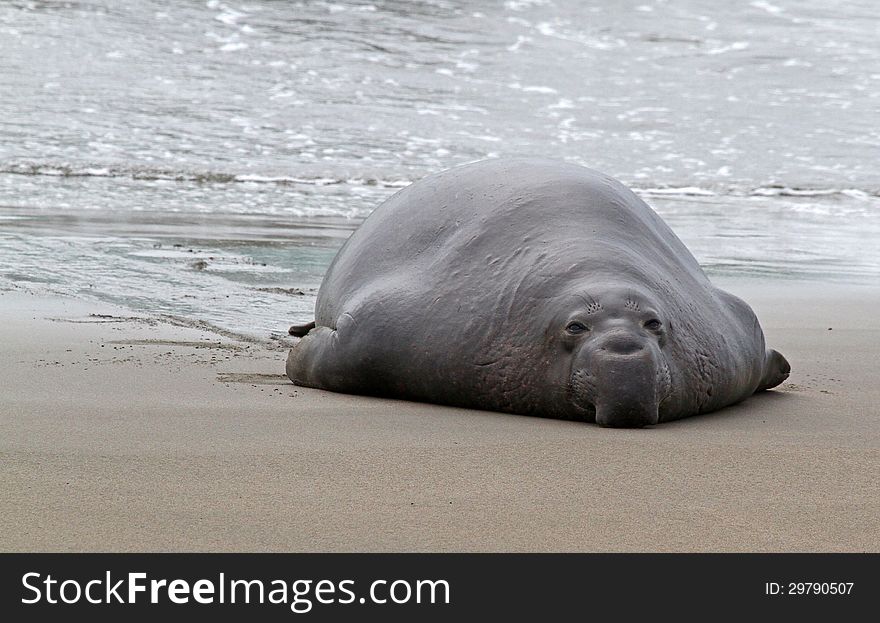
(623, 345)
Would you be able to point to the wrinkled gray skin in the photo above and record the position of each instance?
(535, 287)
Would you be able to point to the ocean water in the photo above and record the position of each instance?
(206, 160)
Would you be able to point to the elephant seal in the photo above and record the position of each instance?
(536, 287)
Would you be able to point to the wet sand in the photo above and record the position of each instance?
(121, 434)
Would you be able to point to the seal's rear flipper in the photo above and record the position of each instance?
(299, 330)
(776, 370)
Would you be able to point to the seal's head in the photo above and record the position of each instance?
(612, 341)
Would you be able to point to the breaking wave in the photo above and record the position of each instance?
(223, 177)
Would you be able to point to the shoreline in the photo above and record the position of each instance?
(134, 435)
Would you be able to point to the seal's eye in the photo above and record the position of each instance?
(653, 325)
(576, 327)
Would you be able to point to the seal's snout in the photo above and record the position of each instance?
(629, 416)
(626, 373)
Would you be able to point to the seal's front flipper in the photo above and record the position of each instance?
(299, 330)
(776, 370)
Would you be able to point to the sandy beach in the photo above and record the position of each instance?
(121, 433)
